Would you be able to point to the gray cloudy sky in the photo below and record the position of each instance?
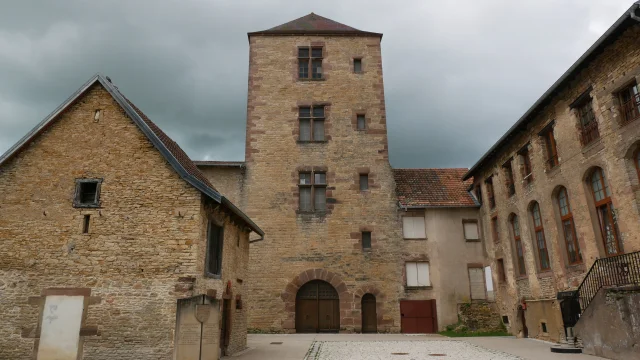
(456, 71)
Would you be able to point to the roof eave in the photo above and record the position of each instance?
(314, 33)
(440, 206)
(626, 16)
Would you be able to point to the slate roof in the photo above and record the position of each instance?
(169, 149)
(425, 188)
(314, 24)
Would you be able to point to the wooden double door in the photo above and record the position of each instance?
(418, 317)
(317, 308)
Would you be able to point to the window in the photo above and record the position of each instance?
(366, 239)
(476, 284)
(541, 244)
(313, 191)
(630, 103)
(527, 170)
(361, 122)
(418, 274)
(214, 249)
(604, 208)
(490, 193)
(494, 229)
(364, 182)
(543, 325)
(87, 193)
(357, 66)
(96, 115)
(588, 123)
(310, 57)
(479, 194)
(505, 319)
(515, 226)
(85, 224)
(568, 228)
(509, 183)
(502, 277)
(413, 227)
(311, 123)
(550, 145)
(471, 230)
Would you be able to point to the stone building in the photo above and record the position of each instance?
(114, 244)
(317, 177)
(561, 188)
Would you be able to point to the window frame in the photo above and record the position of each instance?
(527, 168)
(424, 223)
(589, 131)
(313, 186)
(605, 204)
(491, 195)
(358, 59)
(509, 178)
(362, 240)
(464, 230)
(416, 262)
(484, 283)
(552, 160)
(633, 103)
(363, 177)
(538, 229)
(568, 217)
(77, 203)
(364, 122)
(494, 229)
(519, 248)
(310, 60)
(312, 120)
(217, 272)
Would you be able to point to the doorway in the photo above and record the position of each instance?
(317, 308)
(225, 331)
(521, 316)
(369, 316)
(418, 317)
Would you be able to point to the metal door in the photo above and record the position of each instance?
(317, 308)
(418, 316)
(369, 316)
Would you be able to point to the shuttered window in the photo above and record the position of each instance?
(471, 230)
(413, 227)
(418, 274)
(476, 282)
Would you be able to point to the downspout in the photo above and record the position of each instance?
(632, 12)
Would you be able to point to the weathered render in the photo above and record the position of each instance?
(145, 244)
(598, 79)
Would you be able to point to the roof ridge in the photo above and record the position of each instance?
(313, 24)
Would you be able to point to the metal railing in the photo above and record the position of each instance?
(611, 271)
(589, 133)
(631, 109)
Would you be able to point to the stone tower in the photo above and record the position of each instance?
(318, 180)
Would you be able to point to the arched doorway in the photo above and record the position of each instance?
(369, 316)
(317, 308)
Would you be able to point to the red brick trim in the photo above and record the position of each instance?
(291, 290)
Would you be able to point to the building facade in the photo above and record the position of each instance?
(112, 239)
(561, 188)
(316, 176)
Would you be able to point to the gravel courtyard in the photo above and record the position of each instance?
(398, 350)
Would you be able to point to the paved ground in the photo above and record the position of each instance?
(379, 346)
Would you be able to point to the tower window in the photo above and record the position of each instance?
(214, 249)
(85, 224)
(310, 58)
(311, 120)
(366, 239)
(357, 66)
(364, 182)
(362, 123)
(313, 191)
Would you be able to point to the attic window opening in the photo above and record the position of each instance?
(85, 224)
(87, 193)
(96, 115)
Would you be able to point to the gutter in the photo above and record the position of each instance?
(630, 14)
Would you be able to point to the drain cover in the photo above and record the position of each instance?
(276, 343)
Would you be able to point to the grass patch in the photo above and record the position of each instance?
(451, 333)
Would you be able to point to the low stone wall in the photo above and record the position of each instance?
(610, 326)
(478, 317)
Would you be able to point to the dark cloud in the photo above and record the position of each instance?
(458, 73)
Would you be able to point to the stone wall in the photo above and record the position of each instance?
(480, 317)
(145, 244)
(605, 75)
(228, 180)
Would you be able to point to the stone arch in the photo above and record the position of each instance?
(380, 311)
(291, 290)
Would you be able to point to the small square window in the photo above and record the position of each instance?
(366, 239)
(320, 178)
(470, 228)
(362, 123)
(87, 193)
(85, 224)
(305, 178)
(303, 53)
(505, 319)
(364, 182)
(316, 52)
(357, 66)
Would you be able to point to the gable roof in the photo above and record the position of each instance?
(628, 19)
(168, 148)
(314, 24)
(429, 188)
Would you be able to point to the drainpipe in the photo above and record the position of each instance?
(632, 12)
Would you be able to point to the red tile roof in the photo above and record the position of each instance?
(313, 24)
(433, 188)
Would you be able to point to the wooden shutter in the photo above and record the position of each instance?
(413, 227)
(423, 274)
(476, 281)
(471, 231)
(412, 274)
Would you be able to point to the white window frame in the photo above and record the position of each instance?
(467, 222)
(484, 285)
(417, 274)
(417, 228)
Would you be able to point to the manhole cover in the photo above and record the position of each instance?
(276, 343)
(399, 353)
(437, 354)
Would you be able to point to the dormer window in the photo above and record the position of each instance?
(87, 193)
